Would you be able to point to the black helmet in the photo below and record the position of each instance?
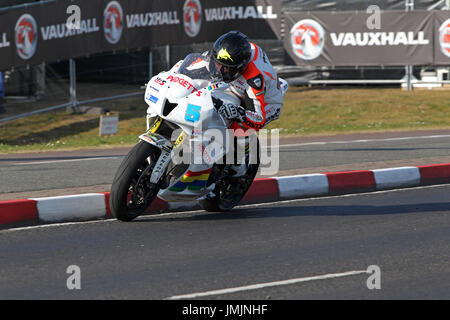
(232, 50)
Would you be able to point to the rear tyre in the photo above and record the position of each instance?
(131, 191)
(229, 192)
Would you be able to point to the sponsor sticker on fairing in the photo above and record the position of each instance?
(185, 84)
(160, 81)
(152, 98)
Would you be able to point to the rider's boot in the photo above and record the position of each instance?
(240, 167)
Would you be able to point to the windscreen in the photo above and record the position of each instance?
(199, 67)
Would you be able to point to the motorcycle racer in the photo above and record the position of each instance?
(245, 67)
(251, 76)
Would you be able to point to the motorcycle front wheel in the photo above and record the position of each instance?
(131, 190)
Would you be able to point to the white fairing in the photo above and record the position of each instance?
(192, 109)
(194, 104)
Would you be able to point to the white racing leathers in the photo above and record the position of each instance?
(259, 89)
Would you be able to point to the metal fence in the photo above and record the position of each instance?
(83, 83)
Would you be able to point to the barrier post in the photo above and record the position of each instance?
(73, 85)
(150, 64)
(409, 6)
(2, 94)
(168, 57)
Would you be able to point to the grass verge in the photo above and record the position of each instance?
(335, 111)
(305, 112)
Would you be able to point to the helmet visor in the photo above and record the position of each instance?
(228, 73)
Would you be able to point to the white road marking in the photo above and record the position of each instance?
(362, 141)
(263, 147)
(53, 225)
(267, 284)
(67, 160)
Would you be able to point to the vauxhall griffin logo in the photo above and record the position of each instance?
(192, 17)
(444, 38)
(307, 39)
(26, 36)
(113, 22)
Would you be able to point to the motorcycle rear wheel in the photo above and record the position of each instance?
(131, 192)
(229, 192)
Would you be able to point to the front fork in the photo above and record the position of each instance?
(160, 166)
(161, 142)
(209, 153)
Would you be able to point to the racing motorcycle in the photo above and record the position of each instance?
(182, 109)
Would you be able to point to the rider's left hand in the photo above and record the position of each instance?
(232, 112)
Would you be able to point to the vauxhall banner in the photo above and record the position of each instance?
(39, 33)
(347, 39)
(442, 38)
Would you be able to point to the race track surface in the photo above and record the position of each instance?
(403, 232)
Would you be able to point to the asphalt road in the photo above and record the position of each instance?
(403, 232)
(59, 170)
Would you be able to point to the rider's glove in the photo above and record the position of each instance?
(232, 112)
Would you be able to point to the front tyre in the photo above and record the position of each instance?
(131, 191)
